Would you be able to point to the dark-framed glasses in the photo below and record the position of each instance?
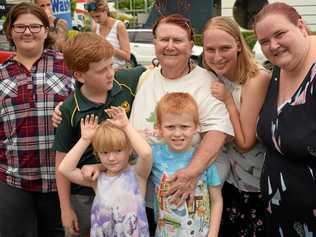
(90, 7)
(21, 28)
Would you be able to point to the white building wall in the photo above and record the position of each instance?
(306, 8)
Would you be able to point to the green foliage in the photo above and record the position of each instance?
(198, 39)
(136, 4)
(72, 6)
(87, 23)
(72, 33)
(250, 38)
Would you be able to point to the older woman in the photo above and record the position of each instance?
(32, 82)
(111, 29)
(287, 123)
(242, 89)
(173, 40)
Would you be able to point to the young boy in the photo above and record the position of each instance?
(89, 57)
(177, 122)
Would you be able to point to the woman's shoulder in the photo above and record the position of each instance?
(263, 77)
(148, 76)
(119, 25)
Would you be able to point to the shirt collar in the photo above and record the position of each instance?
(83, 104)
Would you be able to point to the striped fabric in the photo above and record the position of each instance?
(27, 101)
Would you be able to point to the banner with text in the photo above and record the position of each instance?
(61, 9)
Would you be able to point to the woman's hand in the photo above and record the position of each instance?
(182, 187)
(117, 117)
(219, 91)
(57, 116)
(88, 126)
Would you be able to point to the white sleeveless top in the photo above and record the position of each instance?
(113, 39)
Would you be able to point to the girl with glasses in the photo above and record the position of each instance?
(32, 82)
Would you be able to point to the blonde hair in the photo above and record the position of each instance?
(109, 138)
(177, 103)
(84, 48)
(247, 66)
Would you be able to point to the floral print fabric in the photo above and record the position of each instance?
(118, 209)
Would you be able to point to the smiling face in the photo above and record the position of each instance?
(220, 51)
(177, 130)
(29, 42)
(282, 42)
(172, 46)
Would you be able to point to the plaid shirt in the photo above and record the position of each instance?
(27, 101)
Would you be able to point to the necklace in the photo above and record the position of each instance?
(186, 71)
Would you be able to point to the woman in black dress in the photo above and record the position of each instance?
(287, 123)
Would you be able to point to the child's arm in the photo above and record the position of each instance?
(68, 166)
(139, 144)
(216, 210)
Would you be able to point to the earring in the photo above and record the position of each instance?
(155, 62)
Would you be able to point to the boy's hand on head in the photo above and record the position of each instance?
(57, 116)
(91, 172)
(117, 117)
(219, 91)
(89, 126)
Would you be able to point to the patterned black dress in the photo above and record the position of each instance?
(288, 180)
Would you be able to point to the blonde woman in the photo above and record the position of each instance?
(242, 88)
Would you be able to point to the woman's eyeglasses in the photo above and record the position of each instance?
(21, 28)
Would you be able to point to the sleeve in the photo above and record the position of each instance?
(130, 77)
(212, 176)
(213, 113)
(64, 134)
(137, 105)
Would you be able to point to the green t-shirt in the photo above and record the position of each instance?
(78, 106)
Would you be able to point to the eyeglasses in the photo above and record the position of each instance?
(92, 6)
(21, 28)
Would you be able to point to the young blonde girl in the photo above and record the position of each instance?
(118, 207)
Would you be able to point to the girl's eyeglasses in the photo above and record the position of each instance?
(21, 28)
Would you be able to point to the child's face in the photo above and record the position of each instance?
(99, 78)
(115, 161)
(177, 130)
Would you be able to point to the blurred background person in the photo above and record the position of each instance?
(58, 27)
(112, 30)
(32, 82)
(287, 122)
